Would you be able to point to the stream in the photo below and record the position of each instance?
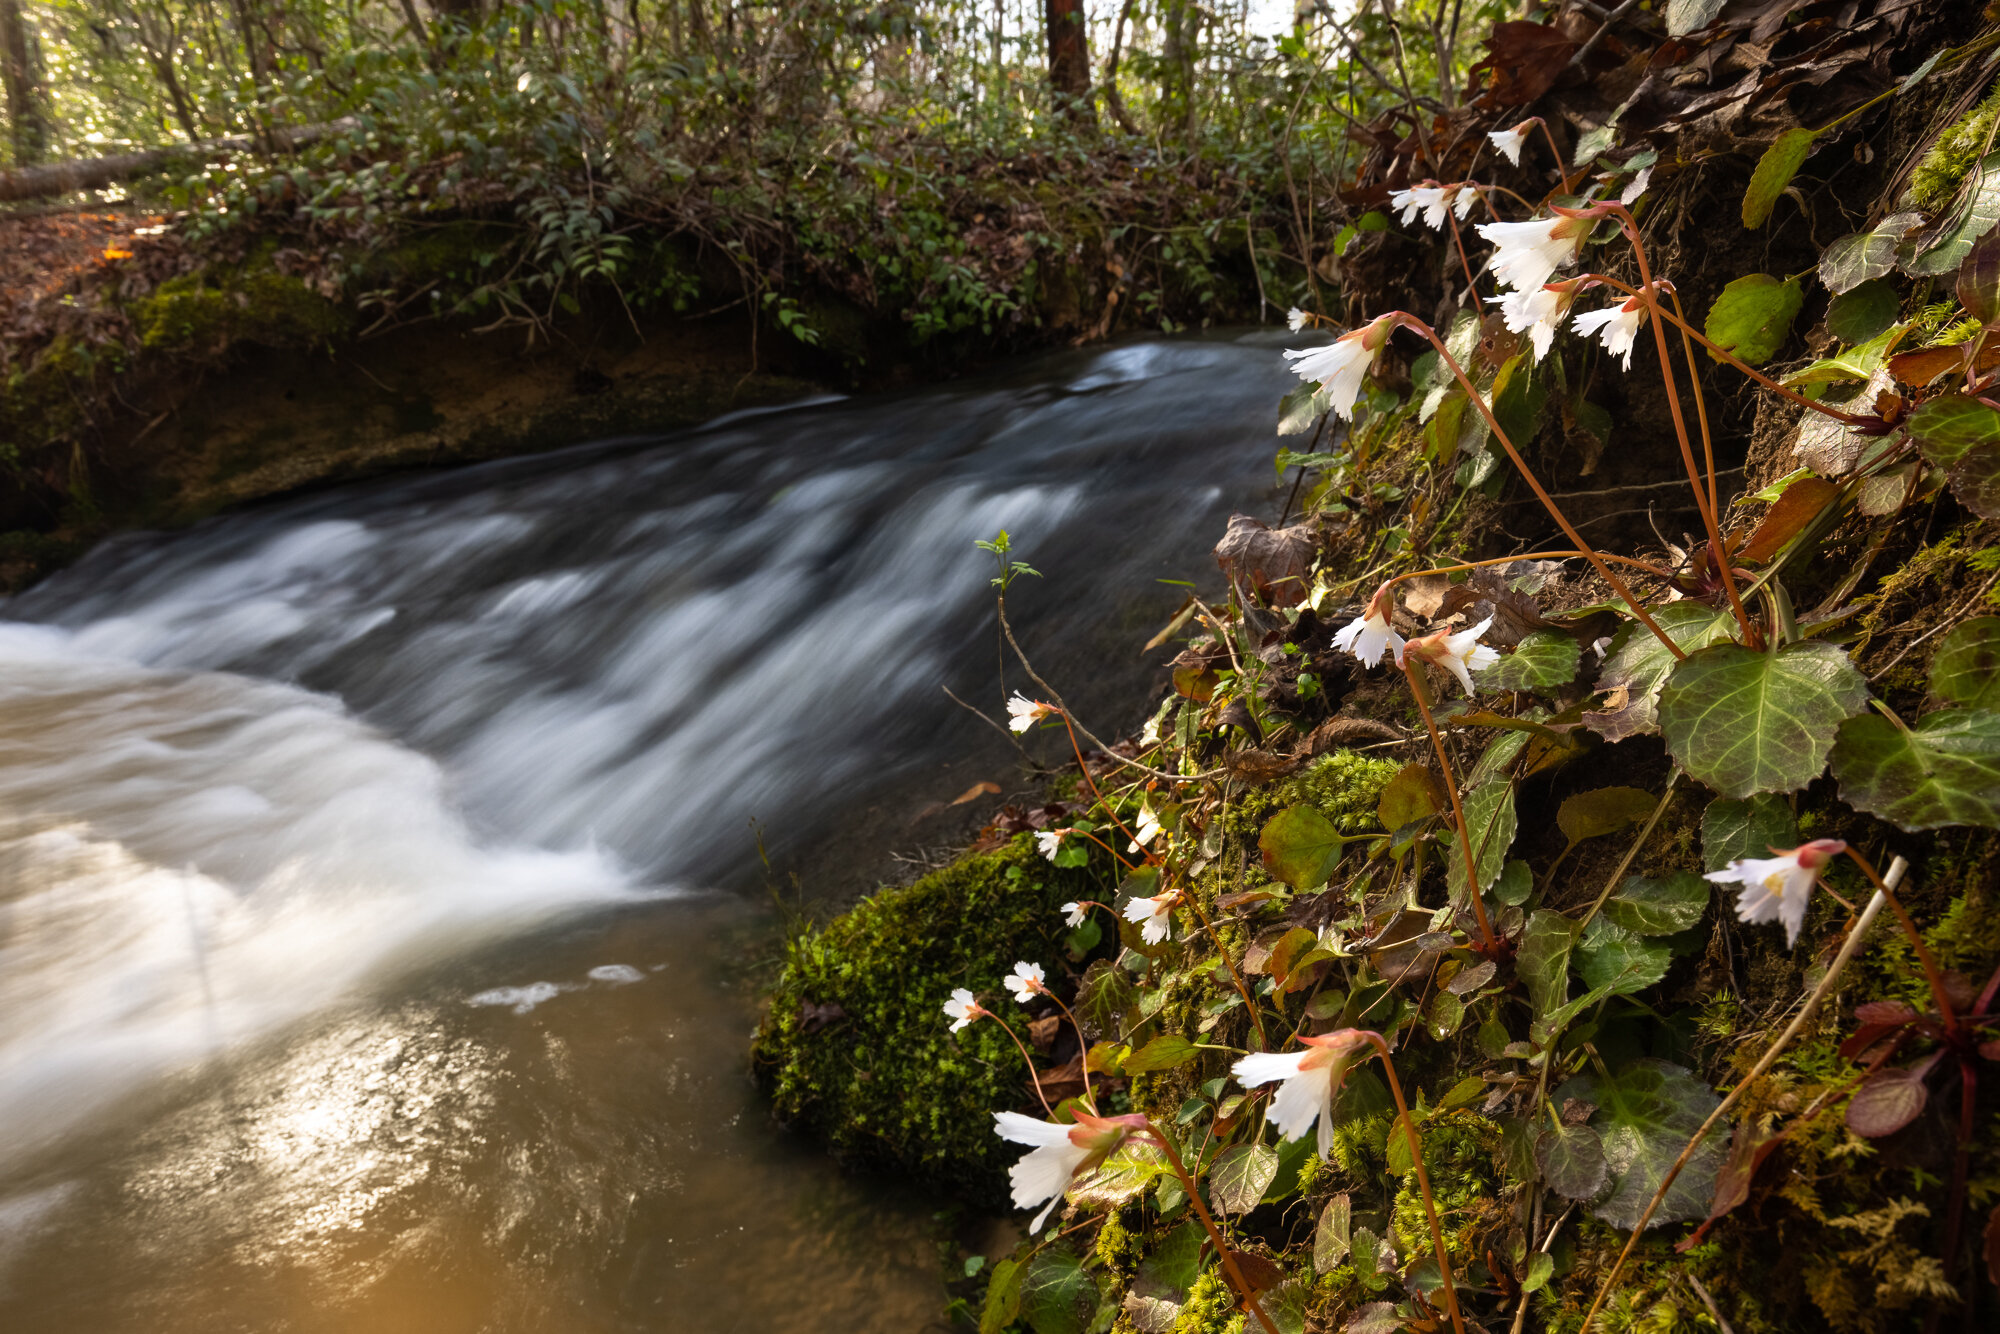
(382, 878)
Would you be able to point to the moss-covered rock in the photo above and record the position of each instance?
(855, 1048)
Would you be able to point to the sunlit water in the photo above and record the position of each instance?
(371, 864)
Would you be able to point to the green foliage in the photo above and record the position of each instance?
(885, 1082)
(1645, 1115)
(1944, 168)
(1745, 722)
(1753, 316)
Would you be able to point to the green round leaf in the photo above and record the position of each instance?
(1944, 771)
(1571, 1159)
(1975, 480)
(1731, 830)
(1613, 959)
(1659, 907)
(1604, 810)
(1300, 847)
(1638, 663)
(1240, 1176)
(1542, 661)
(1781, 162)
(1966, 667)
(1542, 962)
(1333, 1237)
(1645, 1116)
(1058, 1295)
(1862, 313)
(1743, 721)
(1949, 425)
(1864, 256)
(1753, 316)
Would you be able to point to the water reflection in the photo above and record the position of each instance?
(598, 1162)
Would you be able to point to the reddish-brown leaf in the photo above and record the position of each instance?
(1890, 1100)
(1802, 501)
(1747, 1152)
(1272, 561)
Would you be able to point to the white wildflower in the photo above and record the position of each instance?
(1778, 889)
(1310, 1079)
(1509, 142)
(1023, 713)
(1371, 635)
(1154, 917)
(1461, 654)
(962, 1009)
(1297, 319)
(1527, 254)
(1058, 1152)
(1148, 829)
(1025, 981)
(1074, 914)
(1341, 365)
(1537, 312)
(1048, 842)
(1618, 326)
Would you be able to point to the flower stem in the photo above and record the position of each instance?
(1423, 1179)
(1421, 689)
(1249, 1003)
(1201, 1211)
(1527, 474)
(1924, 955)
(1033, 1078)
(1082, 1046)
(1091, 783)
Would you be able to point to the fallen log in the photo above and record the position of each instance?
(61, 178)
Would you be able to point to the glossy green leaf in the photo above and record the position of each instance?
(1547, 1028)
(1299, 410)
(1003, 1297)
(1162, 1053)
(1966, 667)
(1516, 882)
(1751, 827)
(1519, 395)
(1571, 1160)
(1860, 314)
(1929, 256)
(1660, 907)
(1645, 1116)
(1742, 721)
(1752, 316)
(1105, 998)
(1334, 1235)
(1542, 961)
(1950, 424)
(1851, 363)
(1058, 1295)
(1864, 256)
(1541, 1267)
(1637, 665)
(1396, 1146)
(1300, 847)
(1610, 958)
(1408, 797)
(1781, 162)
(1240, 1175)
(1944, 771)
(1604, 810)
(1490, 822)
(1172, 1267)
(1542, 661)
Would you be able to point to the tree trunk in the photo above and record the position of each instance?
(60, 178)
(1069, 57)
(27, 101)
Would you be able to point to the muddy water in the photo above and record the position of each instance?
(374, 910)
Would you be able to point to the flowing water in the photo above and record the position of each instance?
(374, 862)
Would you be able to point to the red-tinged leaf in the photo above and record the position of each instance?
(1802, 501)
(1245, 898)
(1747, 1152)
(1958, 990)
(1979, 280)
(1888, 1102)
(1195, 683)
(1884, 1012)
(1374, 1318)
(1865, 1038)
(1919, 368)
(1989, 1050)
(1260, 1273)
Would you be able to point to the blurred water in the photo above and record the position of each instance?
(359, 931)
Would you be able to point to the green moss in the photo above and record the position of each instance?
(1950, 159)
(207, 311)
(1210, 1307)
(1458, 1157)
(885, 1083)
(1345, 787)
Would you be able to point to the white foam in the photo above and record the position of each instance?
(617, 974)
